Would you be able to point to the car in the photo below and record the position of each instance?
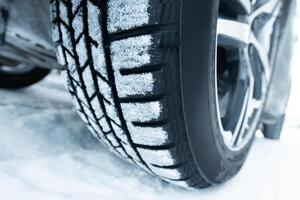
(177, 87)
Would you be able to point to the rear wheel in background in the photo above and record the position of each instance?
(16, 76)
(175, 87)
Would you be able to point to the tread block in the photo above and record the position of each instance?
(105, 89)
(167, 173)
(82, 52)
(122, 57)
(96, 128)
(127, 14)
(97, 108)
(112, 139)
(104, 124)
(131, 152)
(89, 83)
(131, 52)
(112, 113)
(81, 96)
(141, 112)
(148, 135)
(130, 85)
(77, 24)
(151, 156)
(120, 133)
(63, 11)
(122, 152)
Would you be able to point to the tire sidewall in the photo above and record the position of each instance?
(216, 162)
(18, 81)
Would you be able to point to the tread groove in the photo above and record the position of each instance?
(152, 123)
(142, 69)
(100, 97)
(107, 54)
(68, 72)
(143, 30)
(168, 167)
(94, 81)
(142, 99)
(156, 148)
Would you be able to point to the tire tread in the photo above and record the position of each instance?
(95, 91)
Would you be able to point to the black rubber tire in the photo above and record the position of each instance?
(22, 80)
(171, 128)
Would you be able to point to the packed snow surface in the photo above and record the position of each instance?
(46, 152)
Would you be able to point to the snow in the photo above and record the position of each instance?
(148, 136)
(150, 156)
(46, 152)
(127, 14)
(131, 52)
(128, 54)
(141, 112)
(94, 30)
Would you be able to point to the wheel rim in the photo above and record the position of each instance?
(16, 69)
(244, 68)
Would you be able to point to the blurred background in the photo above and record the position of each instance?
(47, 153)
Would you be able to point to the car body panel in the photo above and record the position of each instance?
(280, 86)
(28, 32)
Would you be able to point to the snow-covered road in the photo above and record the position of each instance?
(47, 153)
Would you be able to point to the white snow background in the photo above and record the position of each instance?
(47, 153)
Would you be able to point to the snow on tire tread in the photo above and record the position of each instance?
(83, 30)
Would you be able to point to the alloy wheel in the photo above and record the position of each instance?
(245, 54)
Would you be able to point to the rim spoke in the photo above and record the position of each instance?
(246, 4)
(238, 134)
(233, 33)
(266, 8)
(243, 4)
(240, 6)
(237, 131)
(254, 33)
(263, 55)
(252, 106)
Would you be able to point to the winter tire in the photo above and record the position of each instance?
(18, 76)
(176, 87)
